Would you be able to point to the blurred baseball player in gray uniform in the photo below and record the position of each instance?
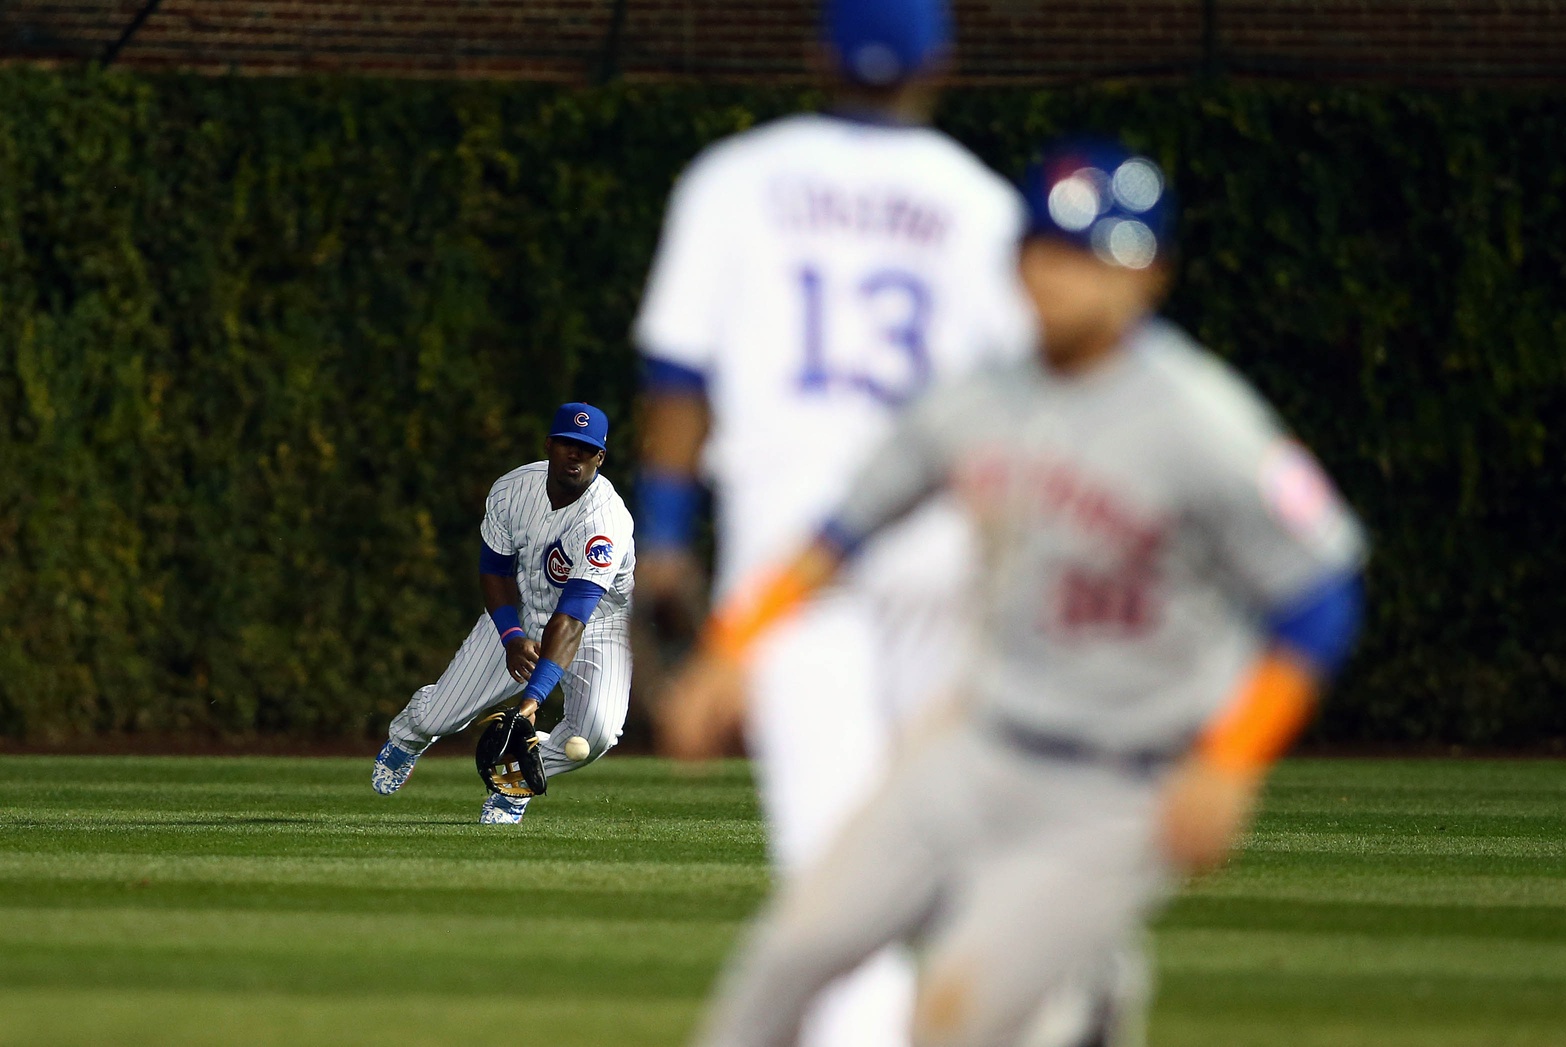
(1169, 580)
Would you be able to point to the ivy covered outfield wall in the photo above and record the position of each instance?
(264, 344)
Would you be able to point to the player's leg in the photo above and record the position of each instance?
(877, 884)
(597, 693)
(819, 672)
(1029, 949)
(475, 680)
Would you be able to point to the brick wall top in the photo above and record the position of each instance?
(1018, 41)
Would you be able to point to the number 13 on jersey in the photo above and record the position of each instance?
(893, 365)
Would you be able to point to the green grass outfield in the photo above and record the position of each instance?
(238, 901)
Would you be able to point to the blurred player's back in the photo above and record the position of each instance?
(822, 271)
(815, 275)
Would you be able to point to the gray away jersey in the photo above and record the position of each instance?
(1138, 522)
(589, 539)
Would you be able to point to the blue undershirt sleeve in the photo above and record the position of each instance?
(491, 562)
(579, 599)
(1323, 624)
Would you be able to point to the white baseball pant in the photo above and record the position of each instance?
(596, 685)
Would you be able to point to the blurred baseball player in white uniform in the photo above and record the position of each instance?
(556, 567)
(1168, 581)
(816, 275)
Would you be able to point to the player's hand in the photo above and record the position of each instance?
(528, 710)
(522, 658)
(702, 709)
(1204, 810)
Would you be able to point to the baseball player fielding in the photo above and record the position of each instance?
(556, 567)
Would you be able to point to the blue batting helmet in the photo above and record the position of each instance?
(1104, 198)
(881, 43)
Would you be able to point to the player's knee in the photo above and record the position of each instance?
(421, 718)
(600, 738)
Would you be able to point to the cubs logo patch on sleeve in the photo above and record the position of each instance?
(600, 551)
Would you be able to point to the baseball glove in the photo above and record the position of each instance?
(508, 758)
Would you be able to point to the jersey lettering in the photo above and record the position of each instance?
(901, 342)
(1118, 601)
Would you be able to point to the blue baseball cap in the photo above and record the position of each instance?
(881, 43)
(582, 422)
(1104, 198)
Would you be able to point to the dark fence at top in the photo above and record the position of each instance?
(1433, 42)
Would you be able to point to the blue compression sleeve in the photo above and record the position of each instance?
(491, 562)
(666, 505)
(579, 598)
(545, 675)
(666, 376)
(1324, 623)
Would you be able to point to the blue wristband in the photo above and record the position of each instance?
(507, 623)
(666, 506)
(545, 675)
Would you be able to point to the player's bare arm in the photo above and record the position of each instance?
(674, 424)
(1209, 799)
(500, 592)
(562, 639)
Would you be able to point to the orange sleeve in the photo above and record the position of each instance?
(1268, 712)
(735, 627)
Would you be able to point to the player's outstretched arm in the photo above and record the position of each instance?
(562, 639)
(1209, 799)
(703, 707)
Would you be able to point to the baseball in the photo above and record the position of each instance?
(576, 748)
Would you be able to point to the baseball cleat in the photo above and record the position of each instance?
(393, 764)
(502, 810)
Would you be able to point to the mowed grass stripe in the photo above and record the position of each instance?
(1379, 903)
(57, 1018)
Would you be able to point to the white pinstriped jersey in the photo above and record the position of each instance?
(590, 539)
(822, 273)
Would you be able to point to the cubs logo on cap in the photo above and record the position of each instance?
(582, 422)
(600, 551)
